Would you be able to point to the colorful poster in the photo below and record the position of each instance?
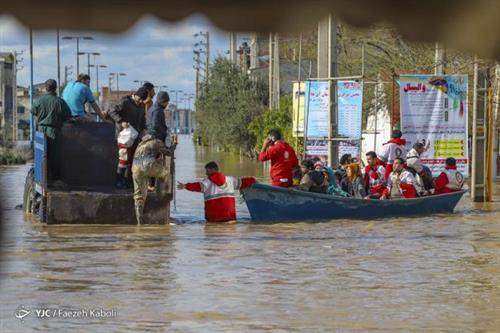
(298, 108)
(317, 108)
(350, 108)
(434, 112)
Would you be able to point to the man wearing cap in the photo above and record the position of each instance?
(152, 157)
(51, 112)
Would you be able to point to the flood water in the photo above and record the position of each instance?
(437, 273)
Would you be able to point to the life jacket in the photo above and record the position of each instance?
(219, 192)
(374, 177)
(393, 149)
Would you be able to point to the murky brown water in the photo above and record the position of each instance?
(421, 274)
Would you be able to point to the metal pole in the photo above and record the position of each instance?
(32, 120)
(97, 82)
(207, 64)
(58, 64)
(88, 64)
(77, 57)
(439, 59)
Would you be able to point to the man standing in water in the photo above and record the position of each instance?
(151, 156)
(282, 156)
(219, 192)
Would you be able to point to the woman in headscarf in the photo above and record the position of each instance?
(355, 184)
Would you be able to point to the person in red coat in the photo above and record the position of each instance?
(219, 192)
(374, 176)
(392, 149)
(450, 180)
(282, 156)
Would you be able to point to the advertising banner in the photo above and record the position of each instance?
(317, 148)
(350, 108)
(317, 108)
(434, 112)
(298, 105)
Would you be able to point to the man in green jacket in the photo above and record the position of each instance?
(51, 112)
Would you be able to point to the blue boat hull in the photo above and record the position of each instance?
(269, 203)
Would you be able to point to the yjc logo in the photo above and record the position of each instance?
(21, 312)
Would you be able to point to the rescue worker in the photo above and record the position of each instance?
(51, 112)
(374, 178)
(129, 111)
(77, 94)
(282, 156)
(401, 183)
(421, 172)
(450, 180)
(219, 192)
(392, 149)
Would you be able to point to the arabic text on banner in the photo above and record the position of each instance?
(350, 108)
(434, 112)
(317, 148)
(317, 108)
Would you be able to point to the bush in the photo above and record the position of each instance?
(280, 119)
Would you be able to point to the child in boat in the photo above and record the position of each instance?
(450, 180)
(219, 192)
(401, 183)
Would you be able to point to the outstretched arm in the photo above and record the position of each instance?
(193, 187)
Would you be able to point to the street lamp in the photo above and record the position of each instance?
(117, 76)
(88, 58)
(97, 77)
(77, 38)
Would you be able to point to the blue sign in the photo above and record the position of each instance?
(317, 108)
(350, 108)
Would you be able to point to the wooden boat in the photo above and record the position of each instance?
(270, 203)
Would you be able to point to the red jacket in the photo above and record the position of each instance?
(283, 160)
(391, 150)
(219, 193)
(448, 181)
(374, 177)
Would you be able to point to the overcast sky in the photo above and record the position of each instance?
(151, 50)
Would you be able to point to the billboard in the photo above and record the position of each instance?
(317, 107)
(434, 112)
(298, 105)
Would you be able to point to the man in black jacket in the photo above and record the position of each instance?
(129, 112)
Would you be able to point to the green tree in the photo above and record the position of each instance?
(226, 105)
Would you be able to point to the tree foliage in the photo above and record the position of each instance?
(226, 106)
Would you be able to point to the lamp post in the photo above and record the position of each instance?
(77, 38)
(95, 54)
(117, 75)
(97, 77)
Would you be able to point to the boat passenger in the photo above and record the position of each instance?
(129, 112)
(401, 183)
(341, 173)
(77, 94)
(450, 180)
(356, 186)
(374, 176)
(332, 179)
(392, 149)
(282, 156)
(422, 173)
(314, 181)
(51, 112)
(219, 192)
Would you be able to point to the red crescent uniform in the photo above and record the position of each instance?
(392, 149)
(450, 180)
(283, 160)
(406, 182)
(374, 178)
(219, 192)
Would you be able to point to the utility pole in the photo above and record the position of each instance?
(232, 48)
(67, 73)
(274, 71)
(77, 38)
(482, 134)
(327, 68)
(58, 63)
(439, 59)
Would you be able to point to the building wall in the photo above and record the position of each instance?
(7, 93)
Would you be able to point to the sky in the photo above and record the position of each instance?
(152, 50)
